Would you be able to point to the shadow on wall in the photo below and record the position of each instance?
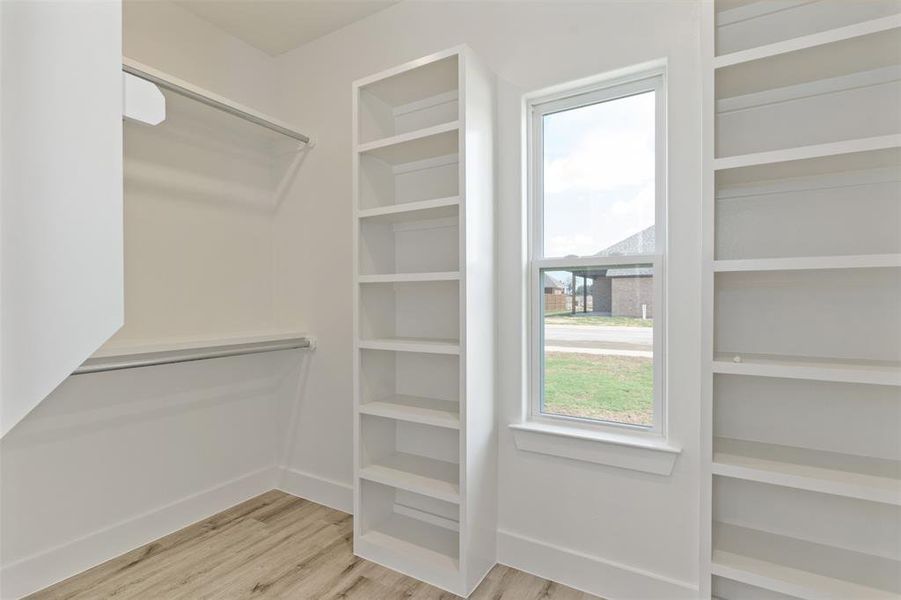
(106, 449)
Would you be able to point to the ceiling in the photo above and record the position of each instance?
(276, 26)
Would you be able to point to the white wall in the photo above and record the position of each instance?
(114, 460)
(617, 532)
(110, 461)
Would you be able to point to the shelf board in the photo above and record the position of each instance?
(882, 142)
(782, 466)
(144, 354)
(439, 208)
(790, 581)
(410, 277)
(426, 411)
(818, 369)
(430, 142)
(864, 261)
(429, 477)
(406, 536)
(412, 345)
(808, 41)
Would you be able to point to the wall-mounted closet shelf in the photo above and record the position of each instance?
(194, 92)
(793, 582)
(412, 345)
(867, 261)
(439, 208)
(410, 277)
(797, 367)
(882, 142)
(757, 462)
(808, 41)
(132, 359)
(433, 478)
(414, 409)
(422, 144)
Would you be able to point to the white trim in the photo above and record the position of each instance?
(591, 574)
(624, 83)
(50, 566)
(649, 454)
(321, 490)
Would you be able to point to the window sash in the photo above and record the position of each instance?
(649, 80)
(537, 367)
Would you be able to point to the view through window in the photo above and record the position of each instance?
(596, 260)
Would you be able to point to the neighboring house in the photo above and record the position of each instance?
(622, 291)
(555, 298)
(553, 286)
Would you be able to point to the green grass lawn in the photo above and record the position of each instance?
(567, 318)
(611, 388)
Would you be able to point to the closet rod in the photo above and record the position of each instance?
(166, 357)
(186, 91)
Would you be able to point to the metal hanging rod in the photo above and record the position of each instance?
(149, 359)
(189, 91)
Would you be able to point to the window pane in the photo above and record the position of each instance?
(598, 337)
(599, 178)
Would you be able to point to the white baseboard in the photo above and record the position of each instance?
(587, 573)
(38, 571)
(320, 490)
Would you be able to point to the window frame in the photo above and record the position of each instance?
(577, 96)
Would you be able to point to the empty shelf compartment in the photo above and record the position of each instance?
(411, 456)
(413, 99)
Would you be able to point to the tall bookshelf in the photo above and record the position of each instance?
(424, 342)
(801, 411)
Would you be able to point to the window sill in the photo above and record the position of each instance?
(617, 450)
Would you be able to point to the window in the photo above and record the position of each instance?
(597, 205)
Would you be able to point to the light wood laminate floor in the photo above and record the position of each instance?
(274, 546)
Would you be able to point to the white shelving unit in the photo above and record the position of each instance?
(802, 397)
(424, 416)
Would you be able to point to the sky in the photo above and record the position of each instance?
(598, 175)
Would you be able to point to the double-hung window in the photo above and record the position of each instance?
(597, 194)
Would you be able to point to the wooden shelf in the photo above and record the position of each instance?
(867, 261)
(883, 142)
(412, 345)
(440, 208)
(410, 277)
(808, 41)
(414, 409)
(818, 369)
(433, 478)
(782, 466)
(786, 580)
(430, 142)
